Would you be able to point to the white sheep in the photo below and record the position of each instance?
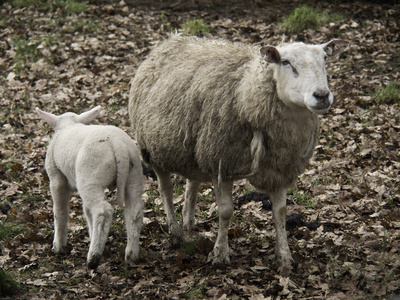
(90, 159)
(213, 110)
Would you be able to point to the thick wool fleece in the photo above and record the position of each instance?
(206, 109)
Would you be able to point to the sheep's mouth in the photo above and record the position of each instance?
(320, 105)
(319, 110)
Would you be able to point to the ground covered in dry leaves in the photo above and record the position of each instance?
(343, 218)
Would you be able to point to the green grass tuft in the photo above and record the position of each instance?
(11, 230)
(304, 198)
(81, 25)
(4, 22)
(25, 51)
(197, 292)
(66, 6)
(196, 27)
(75, 7)
(25, 3)
(190, 247)
(390, 94)
(28, 50)
(305, 17)
(8, 286)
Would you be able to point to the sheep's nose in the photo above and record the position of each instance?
(322, 96)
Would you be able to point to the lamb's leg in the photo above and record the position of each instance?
(61, 195)
(223, 193)
(99, 212)
(282, 251)
(133, 215)
(166, 192)
(192, 187)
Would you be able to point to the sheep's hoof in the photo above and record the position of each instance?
(94, 261)
(219, 258)
(176, 240)
(285, 264)
(188, 226)
(285, 269)
(175, 235)
(132, 256)
(62, 249)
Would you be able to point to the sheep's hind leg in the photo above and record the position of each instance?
(223, 193)
(61, 195)
(133, 215)
(166, 192)
(282, 251)
(99, 212)
(192, 187)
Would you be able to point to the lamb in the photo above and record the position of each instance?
(212, 110)
(90, 159)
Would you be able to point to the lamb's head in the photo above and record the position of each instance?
(300, 74)
(69, 118)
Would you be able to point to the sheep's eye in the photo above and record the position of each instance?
(287, 63)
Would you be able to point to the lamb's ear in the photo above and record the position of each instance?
(334, 47)
(270, 54)
(47, 117)
(88, 116)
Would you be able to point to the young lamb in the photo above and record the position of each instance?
(217, 111)
(89, 159)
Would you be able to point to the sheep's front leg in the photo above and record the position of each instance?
(98, 213)
(223, 193)
(282, 251)
(133, 215)
(166, 192)
(189, 206)
(61, 195)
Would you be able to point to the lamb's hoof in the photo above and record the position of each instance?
(94, 261)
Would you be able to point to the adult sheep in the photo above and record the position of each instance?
(212, 110)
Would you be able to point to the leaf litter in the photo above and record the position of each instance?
(345, 241)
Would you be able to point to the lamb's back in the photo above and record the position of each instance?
(88, 149)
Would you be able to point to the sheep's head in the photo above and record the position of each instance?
(300, 73)
(69, 118)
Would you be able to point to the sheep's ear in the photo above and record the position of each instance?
(334, 47)
(47, 117)
(270, 54)
(88, 116)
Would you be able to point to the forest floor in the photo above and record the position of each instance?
(343, 217)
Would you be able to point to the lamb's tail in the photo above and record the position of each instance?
(122, 159)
